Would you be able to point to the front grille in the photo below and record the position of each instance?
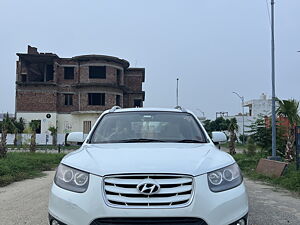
(149, 221)
(122, 191)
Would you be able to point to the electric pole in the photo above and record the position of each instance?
(177, 93)
(273, 80)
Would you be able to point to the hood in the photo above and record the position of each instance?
(125, 158)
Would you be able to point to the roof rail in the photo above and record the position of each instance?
(114, 108)
(180, 108)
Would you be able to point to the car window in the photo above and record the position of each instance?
(148, 126)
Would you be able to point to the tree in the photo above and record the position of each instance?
(243, 138)
(53, 131)
(220, 124)
(5, 126)
(232, 128)
(289, 109)
(261, 133)
(18, 128)
(34, 125)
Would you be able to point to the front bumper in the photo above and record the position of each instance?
(223, 208)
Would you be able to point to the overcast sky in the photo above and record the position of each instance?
(213, 47)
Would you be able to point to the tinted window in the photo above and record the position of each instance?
(145, 126)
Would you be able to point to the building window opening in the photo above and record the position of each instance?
(87, 125)
(137, 103)
(118, 100)
(49, 72)
(24, 78)
(98, 72)
(38, 126)
(69, 73)
(68, 99)
(118, 76)
(36, 72)
(96, 98)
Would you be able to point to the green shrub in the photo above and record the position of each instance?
(251, 147)
(290, 180)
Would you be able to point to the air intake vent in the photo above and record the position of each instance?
(149, 221)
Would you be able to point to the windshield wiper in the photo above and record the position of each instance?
(190, 141)
(139, 140)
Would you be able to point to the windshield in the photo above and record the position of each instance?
(148, 127)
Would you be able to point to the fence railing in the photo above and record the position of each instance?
(41, 139)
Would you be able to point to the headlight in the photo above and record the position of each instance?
(225, 178)
(71, 179)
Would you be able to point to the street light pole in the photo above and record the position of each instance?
(177, 93)
(203, 115)
(243, 113)
(273, 80)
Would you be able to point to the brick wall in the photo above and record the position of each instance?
(134, 79)
(130, 99)
(36, 101)
(62, 108)
(111, 76)
(59, 71)
(109, 102)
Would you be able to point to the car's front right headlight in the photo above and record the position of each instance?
(71, 179)
(225, 178)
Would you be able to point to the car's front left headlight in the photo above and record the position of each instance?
(225, 178)
(71, 179)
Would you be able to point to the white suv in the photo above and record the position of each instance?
(148, 166)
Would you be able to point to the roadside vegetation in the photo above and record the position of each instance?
(289, 109)
(19, 166)
(259, 144)
(9, 125)
(16, 166)
(260, 131)
(290, 179)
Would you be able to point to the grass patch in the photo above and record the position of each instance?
(20, 166)
(290, 180)
(237, 145)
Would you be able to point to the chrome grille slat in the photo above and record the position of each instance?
(121, 191)
(150, 200)
(137, 181)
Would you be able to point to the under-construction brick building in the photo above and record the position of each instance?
(71, 93)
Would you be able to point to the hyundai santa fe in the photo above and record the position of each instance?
(148, 166)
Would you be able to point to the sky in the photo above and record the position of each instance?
(213, 47)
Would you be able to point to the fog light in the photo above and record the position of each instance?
(54, 222)
(241, 222)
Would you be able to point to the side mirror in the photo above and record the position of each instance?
(218, 137)
(76, 137)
